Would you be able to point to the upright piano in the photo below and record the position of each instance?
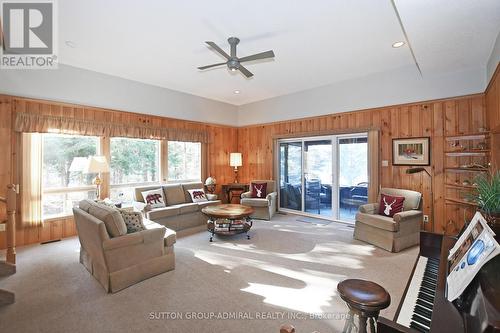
(424, 306)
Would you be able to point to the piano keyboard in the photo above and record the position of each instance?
(416, 311)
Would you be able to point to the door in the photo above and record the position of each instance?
(324, 176)
(352, 175)
(318, 155)
(290, 175)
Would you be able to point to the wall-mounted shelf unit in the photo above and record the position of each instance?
(460, 169)
(460, 202)
(464, 149)
(458, 153)
(459, 186)
(471, 136)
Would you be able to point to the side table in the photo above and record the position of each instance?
(227, 190)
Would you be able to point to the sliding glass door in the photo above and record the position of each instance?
(318, 177)
(290, 175)
(353, 175)
(323, 176)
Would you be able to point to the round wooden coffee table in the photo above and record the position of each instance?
(228, 219)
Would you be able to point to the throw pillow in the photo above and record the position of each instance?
(390, 205)
(259, 190)
(154, 198)
(133, 221)
(198, 195)
(106, 202)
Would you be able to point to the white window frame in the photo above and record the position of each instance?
(137, 184)
(177, 181)
(66, 190)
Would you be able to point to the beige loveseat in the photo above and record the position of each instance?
(392, 234)
(264, 208)
(180, 212)
(117, 259)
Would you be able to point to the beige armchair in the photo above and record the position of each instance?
(265, 208)
(118, 259)
(391, 234)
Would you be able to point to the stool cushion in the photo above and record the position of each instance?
(362, 294)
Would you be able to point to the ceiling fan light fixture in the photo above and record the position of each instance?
(398, 44)
(233, 62)
(237, 92)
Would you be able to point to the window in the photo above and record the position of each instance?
(184, 161)
(63, 183)
(134, 162)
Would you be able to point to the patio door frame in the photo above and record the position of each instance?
(335, 168)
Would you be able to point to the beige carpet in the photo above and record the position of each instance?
(286, 272)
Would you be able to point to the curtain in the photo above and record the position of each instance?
(373, 165)
(36, 123)
(31, 182)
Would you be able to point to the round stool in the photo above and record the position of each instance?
(365, 299)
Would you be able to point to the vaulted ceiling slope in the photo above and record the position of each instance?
(316, 43)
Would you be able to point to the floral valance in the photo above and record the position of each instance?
(36, 123)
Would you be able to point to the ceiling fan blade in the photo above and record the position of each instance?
(218, 49)
(245, 71)
(209, 66)
(263, 55)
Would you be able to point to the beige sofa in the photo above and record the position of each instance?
(180, 212)
(265, 208)
(392, 234)
(117, 259)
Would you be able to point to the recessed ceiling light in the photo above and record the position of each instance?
(398, 44)
(70, 44)
(236, 92)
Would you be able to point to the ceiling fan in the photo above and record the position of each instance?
(233, 62)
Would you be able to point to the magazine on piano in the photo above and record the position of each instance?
(475, 247)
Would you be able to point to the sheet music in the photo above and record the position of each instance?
(475, 247)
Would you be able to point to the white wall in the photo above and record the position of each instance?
(382, 89)
(494, 59)
(79, 86)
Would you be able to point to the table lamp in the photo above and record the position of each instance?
(235, 161)
(97, 165)
(210, 184)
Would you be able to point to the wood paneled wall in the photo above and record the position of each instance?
(223, 140)
(492, 97)
(434, 119)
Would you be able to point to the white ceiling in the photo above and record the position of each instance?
(316, 42)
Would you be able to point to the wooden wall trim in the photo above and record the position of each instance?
(146, 118)
(322, 133)
(368, 109)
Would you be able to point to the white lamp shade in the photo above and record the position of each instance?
(235, 160)
(97, 164)
(79, 164)
(210, 181)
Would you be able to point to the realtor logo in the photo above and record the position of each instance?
(28, 35)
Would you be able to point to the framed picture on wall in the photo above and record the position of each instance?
(411, 151)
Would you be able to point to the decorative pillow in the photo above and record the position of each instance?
(198, 195)
(390, 205)
(133, 221)
(259, 190)
(154, 198)
(106, 202)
